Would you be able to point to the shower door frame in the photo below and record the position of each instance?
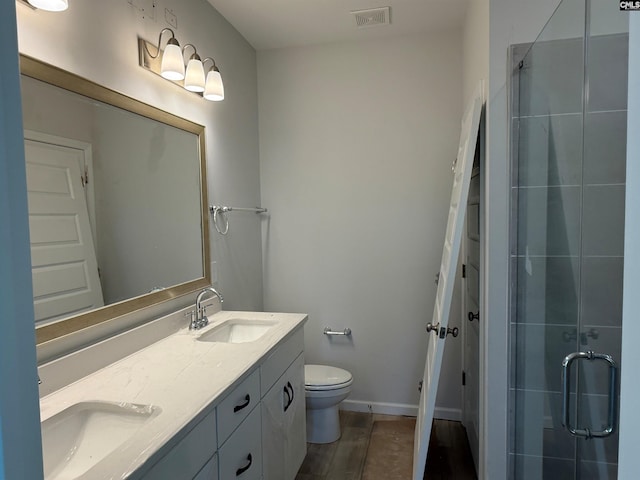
(628, 458)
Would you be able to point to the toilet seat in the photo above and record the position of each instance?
(323, 377)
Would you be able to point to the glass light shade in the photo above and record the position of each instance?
(172, 67)
(194, 79)
(50, 5)
(214, 89)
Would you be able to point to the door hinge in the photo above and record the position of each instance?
(464, 378)
(85, 177)
(464, 271)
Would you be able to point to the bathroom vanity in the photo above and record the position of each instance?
(155, 400)
(223, 402)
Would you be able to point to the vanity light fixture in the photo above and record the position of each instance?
(194, 78)
(50, 5)
(213, 88)
(170, 64)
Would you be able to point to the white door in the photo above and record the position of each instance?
(438, 326)
(63, 258)
(471, 318)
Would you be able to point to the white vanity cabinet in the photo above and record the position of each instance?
(284, 424)
(257, 431)
(283, 410)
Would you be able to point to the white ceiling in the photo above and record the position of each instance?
(270, 24)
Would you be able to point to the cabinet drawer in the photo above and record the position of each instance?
(280, 359)
(186, 459)
(237, 406)
(209, 471)
(241, 456)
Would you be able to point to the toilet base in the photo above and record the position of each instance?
(323, 425)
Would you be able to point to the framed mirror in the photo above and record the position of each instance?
(118, 209)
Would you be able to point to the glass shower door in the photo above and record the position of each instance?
(602, 254)
(569, 131)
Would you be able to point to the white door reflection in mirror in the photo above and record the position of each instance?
(63, 257)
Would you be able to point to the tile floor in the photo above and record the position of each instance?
(380, 447)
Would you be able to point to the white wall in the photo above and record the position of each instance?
(510, 22)
(356, 145)
(475, 47)
(98, 40)
(20, 447)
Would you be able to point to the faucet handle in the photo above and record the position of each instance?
(204, 320)
(191, 315)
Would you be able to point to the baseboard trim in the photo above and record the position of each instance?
(403, 409)
(454, 414)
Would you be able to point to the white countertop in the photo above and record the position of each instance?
(181, 375)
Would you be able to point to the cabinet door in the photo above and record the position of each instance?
(283, 425)
(280, 359)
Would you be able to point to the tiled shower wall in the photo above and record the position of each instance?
(568, 186)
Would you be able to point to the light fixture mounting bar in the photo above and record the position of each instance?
(145, 52)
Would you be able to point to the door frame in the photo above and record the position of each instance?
(20, 441)
(463, 316)
(628, 458)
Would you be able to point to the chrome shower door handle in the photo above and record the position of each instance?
(566, 394)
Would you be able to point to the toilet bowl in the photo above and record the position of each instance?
(325, 387)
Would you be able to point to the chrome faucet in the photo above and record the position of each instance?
(200, 319)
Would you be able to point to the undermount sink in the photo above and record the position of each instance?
(83, 434)
(237, 330)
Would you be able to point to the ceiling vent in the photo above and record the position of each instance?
(373, 17)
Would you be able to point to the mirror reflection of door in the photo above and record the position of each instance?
(63, 254)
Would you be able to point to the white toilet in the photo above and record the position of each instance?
(325, 387)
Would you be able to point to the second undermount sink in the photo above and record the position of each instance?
(237, 330)
(83, 434)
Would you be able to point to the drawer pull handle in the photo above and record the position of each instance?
(240, 471)
(247, 401)
(291, 388)
(289, 395)
(287, 398)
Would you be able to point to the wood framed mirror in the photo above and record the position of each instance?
(118, 209)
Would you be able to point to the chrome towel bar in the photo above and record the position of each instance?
(218, 210)
(329, 331)
(225, 209)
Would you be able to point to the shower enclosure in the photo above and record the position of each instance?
(568, 110)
